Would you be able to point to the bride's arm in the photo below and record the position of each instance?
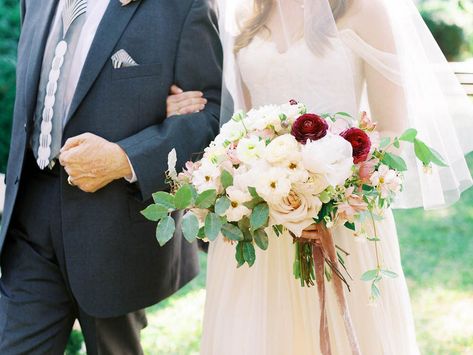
(386, 97)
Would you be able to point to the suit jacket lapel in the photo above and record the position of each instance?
(114, 22)
(35, 60)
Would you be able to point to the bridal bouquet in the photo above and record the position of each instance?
(280, 169)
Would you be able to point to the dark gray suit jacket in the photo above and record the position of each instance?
(113, 260)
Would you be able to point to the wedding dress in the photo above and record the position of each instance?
(263, 310)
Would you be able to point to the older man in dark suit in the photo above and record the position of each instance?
(89, 146)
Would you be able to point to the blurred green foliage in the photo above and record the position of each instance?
(451, 23)
(9, 32)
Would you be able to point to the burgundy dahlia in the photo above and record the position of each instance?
(309, 126)
(360, 142)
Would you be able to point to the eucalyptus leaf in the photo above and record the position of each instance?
(253, 192)
(375, 292)
(222, 205)
(385, 141)
(239, 254)
(155, 212)
(423, 152)
(206, 199)
(232, 232)
(350, 226)
(164, 199)
(409, 135)
(389, 274)
(212, 227)
(165, 230)
(249, 253)
(370, 275)
(183, 198)
(190, 227)
(437, 158)
(226, 179)
(394, 162)
(259, 216)
(261, 239)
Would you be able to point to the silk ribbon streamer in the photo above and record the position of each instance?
(325, 251)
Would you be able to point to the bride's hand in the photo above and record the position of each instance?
(313, 232)
(182, 103)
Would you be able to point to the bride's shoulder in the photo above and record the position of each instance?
(371, 20)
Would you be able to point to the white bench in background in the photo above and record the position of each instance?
(464, 72)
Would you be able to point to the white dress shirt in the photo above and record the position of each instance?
(95, 12)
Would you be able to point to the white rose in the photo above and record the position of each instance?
(237, 209)
(230, 132)
(281, 148)
(330, 156)
(250, 149)
(297, 210)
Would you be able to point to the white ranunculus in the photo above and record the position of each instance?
(263, 118)
(250, 149)
(297, 210)
(273, 184)
(206, 177)
(330, 156)
(281, 148)
(230, 132)
(237, 209)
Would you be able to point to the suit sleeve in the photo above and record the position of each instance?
(198, 67)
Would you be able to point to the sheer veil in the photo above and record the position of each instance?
(406, 81)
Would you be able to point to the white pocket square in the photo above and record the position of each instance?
(122, 59)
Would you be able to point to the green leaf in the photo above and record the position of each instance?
(155, 212)
(164, 199)
(239, 254)
(370, 275)
(165, 230)
(183, 198)
(226, 179)
(409, 135)
(278, 229)
(389, 274)
(213, 225)
(206, 199)
(423, 152)
(394, 162)
(437, 159)
(261, 239)
(190, 227)
(396, 143)
(222, 205)
(350, 226)
(259, 216)
(385, 141)
(343, 114)
(201, 233)
(249, 253)
(232, 232)
(253, 192)
(375, 292)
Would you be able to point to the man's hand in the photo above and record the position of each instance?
(93, 162)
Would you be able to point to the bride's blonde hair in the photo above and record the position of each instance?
(261, 14)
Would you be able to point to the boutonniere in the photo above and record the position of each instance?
(126, 2)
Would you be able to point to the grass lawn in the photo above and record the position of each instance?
(437, 250)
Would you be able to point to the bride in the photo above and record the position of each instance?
(332, 55)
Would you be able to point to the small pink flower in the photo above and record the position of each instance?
(366, 169)
(387, 181)
(233, 156)
(366, 123)
(352, 206)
